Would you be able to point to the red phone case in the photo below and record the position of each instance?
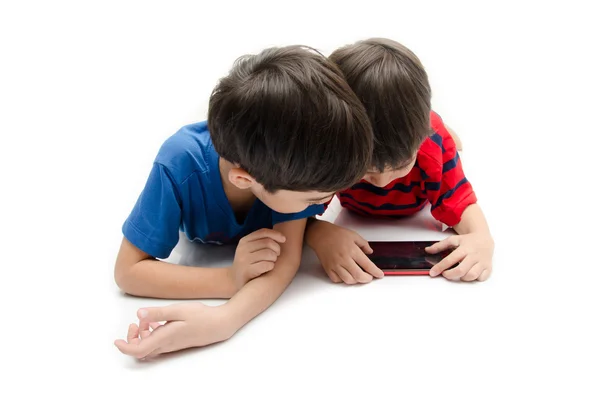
(423, 272)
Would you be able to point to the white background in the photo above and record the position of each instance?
(88, 92)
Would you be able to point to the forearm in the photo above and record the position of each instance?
(260, 293)
(472, 221)
(158, 279)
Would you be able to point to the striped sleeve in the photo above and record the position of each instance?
(455, 192)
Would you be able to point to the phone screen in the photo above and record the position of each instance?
(404, 255)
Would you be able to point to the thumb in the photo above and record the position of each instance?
(363, 244)
(156, 314)
(446, 244)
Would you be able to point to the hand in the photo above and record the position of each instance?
(474, 252)
(342, 253)
(187, 325)
(255, 254)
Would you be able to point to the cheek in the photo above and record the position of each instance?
(401, 173)
(284, 206)
(293, 206)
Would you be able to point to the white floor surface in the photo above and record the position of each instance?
(89, 91)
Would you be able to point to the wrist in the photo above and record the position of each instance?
(483, 237)
(488, 236)
(312, 230)
(483, 234)
(232, 318)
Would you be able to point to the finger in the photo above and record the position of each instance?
(446, 244)
(156, 314)
(462, 269)
(258, 245)
(262, 255)
(259, 268)
(155, 326)
(345, 276)
(120, 343)
(149, 345)
(365, 263)
(333, 276)
(264, 233)
(154, 353)
(363, 244)
(144, 329)
(473, 273)
(140, 350)
(144, 326)
(449, 261)
(133, 334)
(356, 272)
(485, 274)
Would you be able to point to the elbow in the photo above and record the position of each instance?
(123, 277)
(126, 275)
(119, 277)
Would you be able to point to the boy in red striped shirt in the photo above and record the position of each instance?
(415, 162)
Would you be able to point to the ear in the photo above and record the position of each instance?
(240, 178)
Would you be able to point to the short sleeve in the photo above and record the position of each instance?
(153, 225)
(454, 193)
(312, 210)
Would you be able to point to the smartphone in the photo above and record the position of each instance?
(404, 258)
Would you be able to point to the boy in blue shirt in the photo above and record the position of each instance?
(284, 132)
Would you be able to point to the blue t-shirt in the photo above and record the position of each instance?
(184, 192)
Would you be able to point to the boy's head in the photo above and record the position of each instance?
(392, 84)
(294, 130)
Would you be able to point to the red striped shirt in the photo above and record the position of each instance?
(437, 177)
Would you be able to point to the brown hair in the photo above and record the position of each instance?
(393, 86)
(288, 117)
